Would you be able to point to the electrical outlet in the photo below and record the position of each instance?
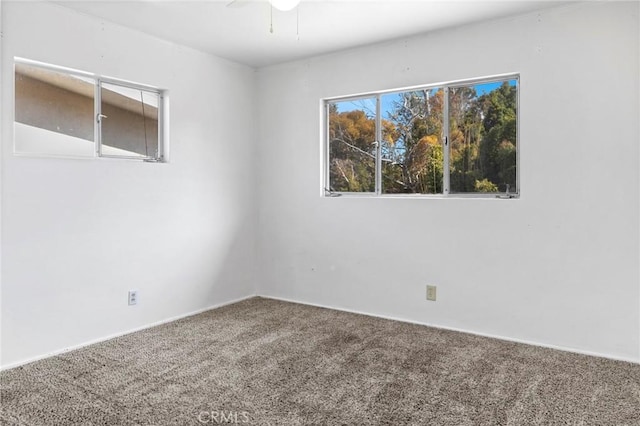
(431, 293)
(133, 297)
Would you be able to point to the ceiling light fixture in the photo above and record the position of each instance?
(284, 5)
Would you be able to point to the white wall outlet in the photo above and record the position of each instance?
(133, 297)
(431, 293)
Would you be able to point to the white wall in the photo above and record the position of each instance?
(559, 266)
(78, 234)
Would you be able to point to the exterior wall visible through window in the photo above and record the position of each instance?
(67, 113)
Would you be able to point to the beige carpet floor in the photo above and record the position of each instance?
(265, 362)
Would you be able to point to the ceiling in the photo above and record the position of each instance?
(240, 32)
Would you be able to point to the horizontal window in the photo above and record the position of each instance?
(74, 114)
(453, 139)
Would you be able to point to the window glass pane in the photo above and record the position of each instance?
(129, 124)
(352, 150)
(53, 112)
(482, 128)
(412, 150)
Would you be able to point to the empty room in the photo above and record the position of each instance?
(305, 212)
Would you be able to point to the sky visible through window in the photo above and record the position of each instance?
(368, 105)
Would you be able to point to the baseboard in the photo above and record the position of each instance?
(112, 336)
(230, 302)
(460, 330)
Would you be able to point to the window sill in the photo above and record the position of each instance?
(424, 196)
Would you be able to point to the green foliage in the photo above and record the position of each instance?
(485, 185)
(482, 151)
(498, 150)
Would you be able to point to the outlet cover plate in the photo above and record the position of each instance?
(431, 293)
(133, 297)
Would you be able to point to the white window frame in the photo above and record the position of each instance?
(97, 81)
(326, 102)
